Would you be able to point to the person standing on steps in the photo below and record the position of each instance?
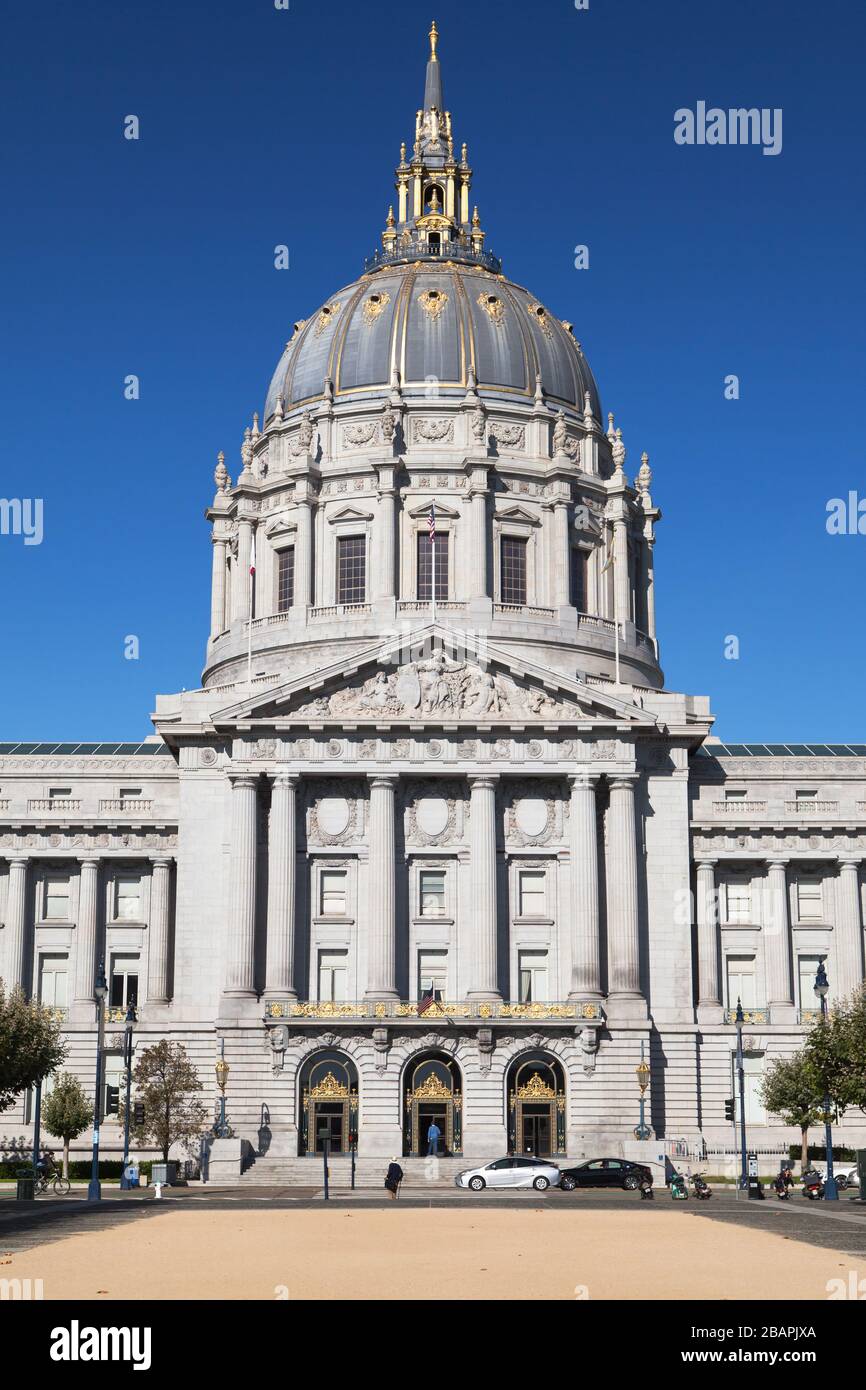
(393, 1178)
(433, 1136)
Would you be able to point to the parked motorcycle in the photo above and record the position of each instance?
(679, 1189)
(813, 1185)
(702, 1188)
(781, 1188)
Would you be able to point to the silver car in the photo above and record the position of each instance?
(514, 1171)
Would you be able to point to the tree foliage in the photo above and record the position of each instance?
(837, 1052)
(791, 1089)
(165, 1083)
(67, 1112)
(30, 1044)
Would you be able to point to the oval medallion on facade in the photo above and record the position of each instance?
(332, 813)
(431, 814)
(531, 815)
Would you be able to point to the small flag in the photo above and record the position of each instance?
(428, 999)
(253, 556)
(431, 522)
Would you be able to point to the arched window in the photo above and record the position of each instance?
(432, 1096)
(536, 1105)
(328, 1086)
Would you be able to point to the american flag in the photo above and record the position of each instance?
(428, 999)
(431, 522)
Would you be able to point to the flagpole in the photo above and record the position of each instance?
(433, 575)
(250, 622)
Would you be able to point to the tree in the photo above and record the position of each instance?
(67, 1112)
(791, 1089)
(30, 1044)
(837, 1050)
(165, 1084)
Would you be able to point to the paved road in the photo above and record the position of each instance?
(838, 1226)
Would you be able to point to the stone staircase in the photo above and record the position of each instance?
(369, 1172)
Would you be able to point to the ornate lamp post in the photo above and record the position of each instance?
(94, 1191)
(831, 1192)
(222, 1076)
(128, 1026)
(739, 1020)
(642, 1071)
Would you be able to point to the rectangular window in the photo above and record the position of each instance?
(285, 579)
(53, 982)
(810, 900)
(738, 896)
(808, 968)
(127, 899)
(532, 968)
(59, 793)
(124, 982)
(129, 793)
(425, 567)
(579, 565)
(57, 898)
(734, 794)
(432, 973)
(753, 1077)
(333, 976)
(432, 892)
(351, 569)
(332, 890)
(513, 570)
(532, 894)
(741, 981)
(804, 795)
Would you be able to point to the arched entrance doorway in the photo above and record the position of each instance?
(432, 1090)
(536, 1105)
(329, 1102)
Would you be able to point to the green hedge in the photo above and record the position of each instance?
(79, 1169)
(818, 1154)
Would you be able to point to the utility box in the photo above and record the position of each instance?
(24, 1191)
(163, 1173)
(861, 1172)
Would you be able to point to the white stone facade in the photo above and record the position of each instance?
(493, 795)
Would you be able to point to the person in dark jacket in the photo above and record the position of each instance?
(393, 1178)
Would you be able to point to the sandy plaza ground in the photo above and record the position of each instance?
(527, 1253)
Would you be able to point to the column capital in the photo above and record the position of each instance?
(285, 779)
(622, 781)
(483, 779)
(383, 779)
(242, 779)
(89, 861)
(19, 861)
(777, 863)
(704, 861)
(584, 779)
(162, 861)
(850, 861)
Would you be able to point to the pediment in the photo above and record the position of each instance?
(442, 509)
(518, 514)
(428, 678)
(350, 514)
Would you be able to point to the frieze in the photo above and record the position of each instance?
(509, 436)
(432, 431)
(100, 840)
(65, 764)
(360, 435)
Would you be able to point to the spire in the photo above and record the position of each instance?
(433, 100)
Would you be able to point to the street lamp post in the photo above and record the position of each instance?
(643, 1131)
(739, 1020)
(128, 1026)
(831, 1192)
(94, 1191)
(222, 1076)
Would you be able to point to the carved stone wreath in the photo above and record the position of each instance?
(509, 436)
(357, 436)
(433, 431)
(523, 826)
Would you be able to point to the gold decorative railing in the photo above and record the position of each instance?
(749, 1016)
(564, 1011)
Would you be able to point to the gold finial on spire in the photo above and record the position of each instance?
(434, 39)
(389, 220)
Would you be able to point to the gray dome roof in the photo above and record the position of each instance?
(432, 322)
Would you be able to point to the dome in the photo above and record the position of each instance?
(432, 322)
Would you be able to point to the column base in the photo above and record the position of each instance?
(626, 1008)
(484, 996)
(710, 1013)
(381, 996)
(783, 1013)
(234, 1006)
(82, 1011)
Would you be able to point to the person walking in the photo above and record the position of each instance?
(433, 1136)
(393, 1178)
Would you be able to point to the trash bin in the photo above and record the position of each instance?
(163, 1173)
(24, 1191)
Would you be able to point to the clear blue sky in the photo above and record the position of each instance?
(260, 127)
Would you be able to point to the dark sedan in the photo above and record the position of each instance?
(605, 1172)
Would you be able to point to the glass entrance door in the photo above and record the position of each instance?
(536, 1130)
(330, 1117)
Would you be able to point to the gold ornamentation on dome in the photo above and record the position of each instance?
(432, 1089)
(434, 39)
(375, 305)
(325, 317)
(296, 328)
(536, 1089)
(493, 306)
(539, 313)
(433, 302)
(330, 1089)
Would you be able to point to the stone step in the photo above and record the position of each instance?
(369, 1172)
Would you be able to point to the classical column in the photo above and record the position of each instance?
(482, 844)
(583, 845)
(16, 903)
(560, 560)
(622, 580)
(382, 909)
(241, 594)
(280, 975)
(649, 572)
(706, 916)
(622, 900)
(158, 932)
(384, 568)
(218, 588)
(85, 933)
(775, 929)
(303, 596)
(480, 586)
(849, 930)
(240, 959)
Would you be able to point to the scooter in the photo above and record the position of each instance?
(813, 1186)
(702, 1188)
(679, 1190)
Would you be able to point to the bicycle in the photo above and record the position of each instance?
(62, 1186)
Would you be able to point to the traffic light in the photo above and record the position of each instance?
(138, 1113)
(729, 1109)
